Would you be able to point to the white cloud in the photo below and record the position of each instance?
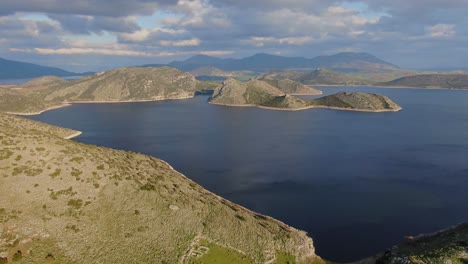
(181, 43)
(442, 31)
(261, 41)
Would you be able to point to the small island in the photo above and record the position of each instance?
(262, 94)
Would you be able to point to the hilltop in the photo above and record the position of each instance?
(262, 94)
(66, 202)
(289, 86)
(450, 81)
(48, 80)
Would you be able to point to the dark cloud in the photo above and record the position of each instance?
(113, 8)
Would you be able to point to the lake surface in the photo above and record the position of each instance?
(356, 182)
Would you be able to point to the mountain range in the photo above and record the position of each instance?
(343, 62)
(10, 69)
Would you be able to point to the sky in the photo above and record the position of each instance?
(90, 35)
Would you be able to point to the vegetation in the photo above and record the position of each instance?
(125, 84)
(261, 93)
(452, 81)
(448, 246)
(136, 210)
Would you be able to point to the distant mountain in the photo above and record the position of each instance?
(450, 81)
(343, 62)
(10, 69)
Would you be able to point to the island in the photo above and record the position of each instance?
(261, 94)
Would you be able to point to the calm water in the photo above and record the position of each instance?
(356, 182)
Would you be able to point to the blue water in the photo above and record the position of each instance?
(356, 182)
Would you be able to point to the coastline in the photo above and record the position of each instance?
(39, 112)
(310, 107)
(387, 87)
(74, 135)
(95, 102)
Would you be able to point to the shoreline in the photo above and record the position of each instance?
(39, 112)
(94, 102)
(310, 107)
(388, 87)
(74, 135)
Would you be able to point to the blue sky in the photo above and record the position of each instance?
(97, 35)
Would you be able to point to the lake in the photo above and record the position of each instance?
(356, 182)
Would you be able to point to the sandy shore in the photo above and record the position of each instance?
(73, 135)
(310, 107)
(40, 112)
(94, 102)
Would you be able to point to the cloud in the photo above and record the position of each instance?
(442, 31)
(181, 43)
(81, 24)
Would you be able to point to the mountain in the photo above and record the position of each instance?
(344, 62)
(262, 94)
(450, 81)
(10, 69)
(67, 202)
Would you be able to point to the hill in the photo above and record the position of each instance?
(48, 80)
(129, 84)
(357, 101)
(325, 76)
(290, 87)
(262, 94)
(120, 85)
(66, 202)
(345, 62)
(10, 69)
(451, 81)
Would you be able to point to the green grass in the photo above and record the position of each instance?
(219, 255)
(283, 258)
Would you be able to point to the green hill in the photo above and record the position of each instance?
(66, 202)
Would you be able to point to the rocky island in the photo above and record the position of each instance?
(262, 94)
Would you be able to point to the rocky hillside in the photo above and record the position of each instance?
(253, 92)
(291, 87)
(48, 80)
(260, 93)
(357, 101)
(126, 84)
(444, 247)
(451, 81)
(66, 202)
(129, 84)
